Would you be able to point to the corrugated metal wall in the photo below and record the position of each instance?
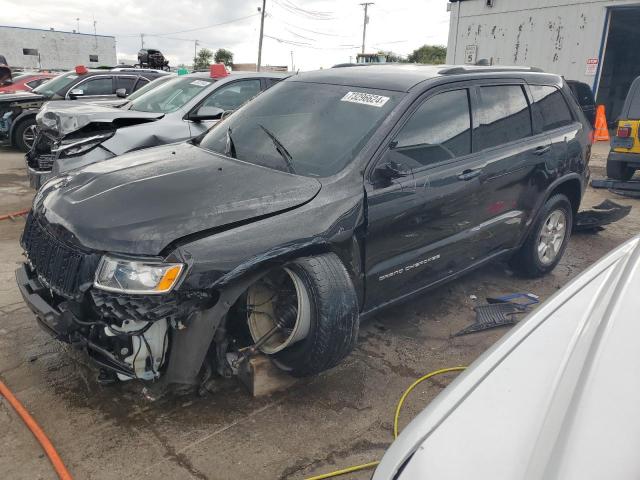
(58, 50)
(557, 36)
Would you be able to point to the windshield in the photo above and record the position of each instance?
(149, 86)
(48, 89)
(308, 128)
(171, 96)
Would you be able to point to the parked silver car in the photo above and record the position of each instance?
(556, 399)
(72, 135)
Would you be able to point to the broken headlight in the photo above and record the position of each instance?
(136, 276)
(78, 147)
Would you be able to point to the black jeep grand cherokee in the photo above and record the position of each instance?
(330, 196)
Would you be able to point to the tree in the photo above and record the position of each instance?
(432, 54)
(224, 56)
(203, 59)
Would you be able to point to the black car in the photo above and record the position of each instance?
(585, 98)
(330, 196)
(18, 110)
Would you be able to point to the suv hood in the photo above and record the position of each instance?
(68, 116)
(143, 201)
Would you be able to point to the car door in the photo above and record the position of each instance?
(99, 86)
(514, 157)
(422, 198)
(227, 97)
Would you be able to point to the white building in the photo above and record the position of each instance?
(49, 49)
(594, 41)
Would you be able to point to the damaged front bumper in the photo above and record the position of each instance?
(62, 324)
(45, 160)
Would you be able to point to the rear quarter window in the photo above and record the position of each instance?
(552, 106)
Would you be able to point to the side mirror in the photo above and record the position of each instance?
(5, 82)
(390, 170)
(75, 93)
(121, 92)
(206, 113)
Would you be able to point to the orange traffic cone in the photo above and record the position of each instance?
(601, 131)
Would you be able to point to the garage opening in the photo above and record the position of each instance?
(621, 65)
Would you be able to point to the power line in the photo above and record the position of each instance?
(210, 26)
(308, 45)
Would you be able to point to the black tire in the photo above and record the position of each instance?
(527, 260)
(19, 133)
(619, 171)
(334, 317)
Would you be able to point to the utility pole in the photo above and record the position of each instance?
(142, 40)
(366, 20)
(195, 53)
(78, 24)
(293, 68)
(264, 6)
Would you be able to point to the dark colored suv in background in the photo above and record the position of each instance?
(330, 196)
(18, 110)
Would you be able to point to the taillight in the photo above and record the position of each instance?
(624, 132)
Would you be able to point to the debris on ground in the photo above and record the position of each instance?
(500, 311)
(603, 214)
(627, 189)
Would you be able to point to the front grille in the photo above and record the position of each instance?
(44, 162)
(40, 157)
(57, 264)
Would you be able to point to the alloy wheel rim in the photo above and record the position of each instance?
(551, 237)
(29, 136)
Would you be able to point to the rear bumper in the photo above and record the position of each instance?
(631, 159)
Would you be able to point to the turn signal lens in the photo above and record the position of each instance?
(169, 278)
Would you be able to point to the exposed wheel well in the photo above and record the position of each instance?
(572, 190)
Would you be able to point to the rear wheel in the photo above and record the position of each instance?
(25, 134)
(304, 315)
(619, 170)
(547, 240)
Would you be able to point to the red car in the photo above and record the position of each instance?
(25, 82)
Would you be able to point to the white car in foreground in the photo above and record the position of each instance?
(557, 399)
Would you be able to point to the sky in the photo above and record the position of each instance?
(320, 33)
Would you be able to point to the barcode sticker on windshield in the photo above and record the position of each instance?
(365, 99)
(199, 83)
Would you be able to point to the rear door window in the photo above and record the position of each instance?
(127, 83)
(439, 130)
(552, 106)
(504, 116)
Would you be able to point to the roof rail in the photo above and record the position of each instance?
(480, 69)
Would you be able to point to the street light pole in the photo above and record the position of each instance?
(264, 5)
(366, 20)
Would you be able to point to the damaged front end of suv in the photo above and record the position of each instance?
(71, 136)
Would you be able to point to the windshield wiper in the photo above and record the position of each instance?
(230, 148)
(284, 153)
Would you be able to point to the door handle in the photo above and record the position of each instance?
(542, 150)
(468, 174)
